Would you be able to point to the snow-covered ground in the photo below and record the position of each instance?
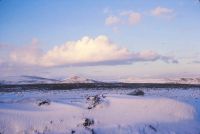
(79, 111)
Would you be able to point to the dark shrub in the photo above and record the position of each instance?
(73, 132)
(88, 122)
(94, 101)
(44, 102)
(137, 93)
(153, 128)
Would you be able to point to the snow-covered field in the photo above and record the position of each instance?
(79, 111)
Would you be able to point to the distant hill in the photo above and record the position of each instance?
(78, 79)
(164, 81)
(24, 79)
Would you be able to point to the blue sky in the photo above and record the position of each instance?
(156, 33)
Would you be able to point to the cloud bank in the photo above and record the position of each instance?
(29, 55)
(84, 52)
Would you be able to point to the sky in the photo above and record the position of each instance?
(103, 39)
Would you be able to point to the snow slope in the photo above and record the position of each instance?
(78, 79)
(115, 112)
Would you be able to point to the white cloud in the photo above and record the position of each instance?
(95, 51)
(86, 51)
(112, 20)
(162, 11)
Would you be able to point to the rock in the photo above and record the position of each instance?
(73, 132)
(137, 93)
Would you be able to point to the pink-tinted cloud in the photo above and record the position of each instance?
(29, 54)
(112, 20)
(162, 12)
(125, 17)
(133, 18)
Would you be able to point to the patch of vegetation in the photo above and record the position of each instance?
(88, 86)
(94, 101)
(73, 132)
(88, 122)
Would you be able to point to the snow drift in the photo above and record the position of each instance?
(113, 114)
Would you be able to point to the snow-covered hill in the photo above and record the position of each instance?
(24, 79)
(41, 80)
(166, 80)
(188, 80)
(78, 79)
